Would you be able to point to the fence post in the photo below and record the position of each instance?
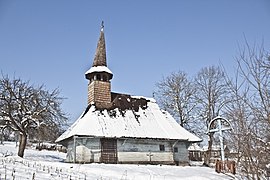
(218, 166)
(5, 172)
(33, 177)
(13, 174)
(233, 169)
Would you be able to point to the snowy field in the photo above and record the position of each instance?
(50, 165)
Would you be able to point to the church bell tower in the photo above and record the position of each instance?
(99, 76)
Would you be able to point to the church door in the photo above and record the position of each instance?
(108, 150)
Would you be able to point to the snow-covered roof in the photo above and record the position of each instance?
(99, 69)
(195, 147)
(150, 122)
(214, 147)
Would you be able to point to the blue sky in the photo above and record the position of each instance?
(53, 42)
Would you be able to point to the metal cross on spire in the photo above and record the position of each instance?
(102, 26)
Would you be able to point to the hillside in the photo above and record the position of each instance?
(50, 165)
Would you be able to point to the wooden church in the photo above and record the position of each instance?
(121, 128)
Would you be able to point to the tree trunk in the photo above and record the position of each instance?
(22, 144)
(209, 150)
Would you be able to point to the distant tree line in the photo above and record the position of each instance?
(29, 112)
(242, 97)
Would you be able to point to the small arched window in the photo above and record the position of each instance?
(105, 78)
(98, 77)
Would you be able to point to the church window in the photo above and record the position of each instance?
(161, 147)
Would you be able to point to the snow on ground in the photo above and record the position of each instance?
(50, 165)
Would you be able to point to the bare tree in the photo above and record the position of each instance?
(250, 110)
(211, 98)
(254, 68)
(25, 108)
(175, 93)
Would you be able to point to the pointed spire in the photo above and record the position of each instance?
(100, 56)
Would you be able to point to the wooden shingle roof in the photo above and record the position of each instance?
(100, 56)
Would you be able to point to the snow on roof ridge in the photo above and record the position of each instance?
(99, 69)
(147, 98)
